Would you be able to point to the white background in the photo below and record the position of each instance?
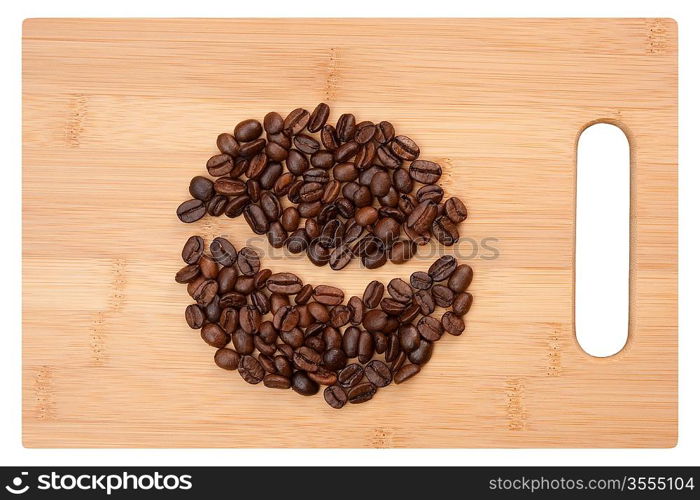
(11, 450)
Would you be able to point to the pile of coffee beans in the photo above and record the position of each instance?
(275, 329)
(335, 192)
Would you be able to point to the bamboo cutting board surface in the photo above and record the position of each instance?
(118, 115)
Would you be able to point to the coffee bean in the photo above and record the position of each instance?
(322, 159)
(191, 211)
(421, 218)
(345, 172)
(240, 165)
(375, 320)
(270, 175)
(329, 138)
(452, 323)
(406, 372)
(330, 192)
(251, 370)
(227, 144)
(319, 312)
(247, 130)
(373, 294)
(278, 301)
(345, 127)
(461, 278)
(401, 251)
(208, 267)
(380, 341)
(409, 337)
(362, 197)
(244, 285)
(213, 335)
(193, 249)
(284, 283)
(378, 373)
(405, 148)
(316, 343)
(387, 230)
(375, 259)
(357, 310)
(290, 219)
(407, 203)
(393, 348)
(205, 292)
(391, 306)
(340, 316)
(273, 123)
(250, 149)
(425, 172)
(403, 181)
(397, 363)
(361, 393)
(445, 231)
(365, 155)
(294, 337)
(256, 219)
(296, 121)
(201, 188)
(328, 295)
(384, 132)
(306, 144)
(346, 151)
(286, 318)
(334, 359)
(228, 320)
(217, 205)
(309, 209)
(366, 216)
(318, 117)
(442, 295)
(219, 165)
(409, 314)
(400, 290)
(380, 183)
(232, 299)
(236, 206)
(323, 376)
(194, 316)
(422, 353)
(276, 235)
(335, 396)
(351, 340)
(462, 303)
(430, 192)
(318, 254)
(442, 268)
(351, 375)
(227, 359)
(430, 328)
(283, 183)
(332, 337)
(387, 157)
(276, 381)
(223, 251)
(296, 162)
(302, 384)
(283, 366)
(424, 300)
(213, 310)
(306, 359)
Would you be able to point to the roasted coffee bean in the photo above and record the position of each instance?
(455, 210)
(266, 350)
(374, 260)
(191, 211)
(353, 232)
(267, 332)
(365, 347)
(250, 149)
(442, 268)
(405, 148)
(192, 285)
(462, 303)
(296, 121)
(364, 132)
(229, 187)
(332, 337)
(243, 341)
(323, 376)
(273, 123)
(407, 203)
(193, 249)
(365, 156)
(283, 366)
(253, 190)
(392, 213)
(345, 127)
(357, 310)
(380, 183)
(260, 301)
(270, 175)
(286, 351)
(248, 261)
(397, 363)
(330, 192)
(247, 130)
(429, 328)
(401, 251)
(201, 188)
(322, 159)
(345, 172)
(351, 340)
(362, 197)
(223, 251)
(281, 138)
(277, 300)
(409, 337)
(283, 183)
(228, 320)
(351, 375)
(327, 213)
(285, 283)
(340, 316)
(316, 175)
(309, 209)
(290, 219)
(431, 193)
(208, 267)
(445, 231)
(378, 373)
(233, 299)
(256, 166)
(304, 295)
(297, 242)
(387, 230)
(335, 396)
(194, 316)
(236, 206)
(251, 370)
(217, 205)
(240, 165)
(346, 152)
(393, 347)
(334, 359)
(306, 359)
(390, 199)
(403, 181)
(306, 144)
(276, 235)
(214, 335)
(461, 278)
(219, 165)
(421, 218)
(366, 216)
(274, 381)
(380, 341)
(270, 206)
(405, 372)
(373, 294)
(294, 337)
(286, 318)
(305, 319)
(205, 292)
(329, 138)
(452, 323)
(421, 280)
(256, 219)
(244, 285)
(318, 254)
(274, 152)
(314, 329)
(384, 132)
(302, 384)
(332, 233)
(424, 300)
(296, 162)
(392, 307)
(400, 290)
(294, 194)
(318, 117)
(387, 157)
(422, 353)
(213, 310)
(328, 295)
(227, 144)
(311, 191)
(249, 318)
(312, 228)
(227, 359)
(425, 172)
(409, 314)
(319, 312)
(442, 295)
(361, 393)
(375, 320)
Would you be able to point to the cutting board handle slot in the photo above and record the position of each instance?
(603, 240)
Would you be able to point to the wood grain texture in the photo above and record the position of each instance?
(120, 114)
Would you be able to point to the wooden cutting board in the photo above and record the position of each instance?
(120, 114)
